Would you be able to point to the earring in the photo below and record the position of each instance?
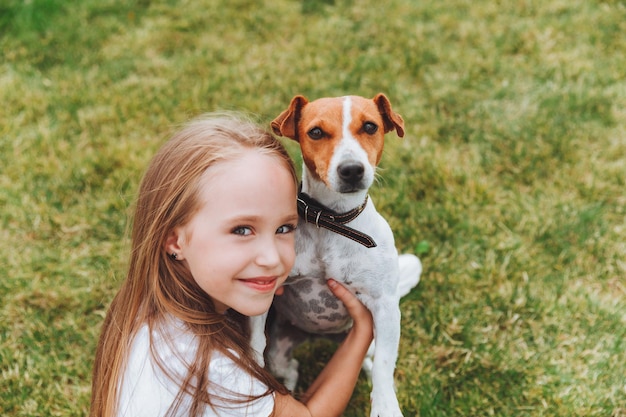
(173, 256)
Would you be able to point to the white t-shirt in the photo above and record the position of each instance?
(147, 392)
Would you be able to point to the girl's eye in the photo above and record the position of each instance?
(286, 228)
(242, 230)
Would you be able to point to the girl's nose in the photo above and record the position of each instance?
(268, 253)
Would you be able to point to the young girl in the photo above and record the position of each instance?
(212, 242)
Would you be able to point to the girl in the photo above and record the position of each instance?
(212, 242)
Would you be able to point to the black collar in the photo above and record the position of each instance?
(312, 211)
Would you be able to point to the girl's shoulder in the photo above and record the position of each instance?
(145, 389)
(151, 385)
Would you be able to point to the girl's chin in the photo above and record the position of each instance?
(254, 309)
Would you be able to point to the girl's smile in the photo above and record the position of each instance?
(261, 284)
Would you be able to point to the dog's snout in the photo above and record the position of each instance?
(351, 172)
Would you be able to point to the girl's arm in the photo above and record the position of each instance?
(329, 394)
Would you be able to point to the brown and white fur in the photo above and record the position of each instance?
(341, 140)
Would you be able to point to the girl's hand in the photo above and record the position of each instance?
(362, 317)
(329, 394)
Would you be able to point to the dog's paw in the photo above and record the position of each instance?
(385, 412)
(385, 406)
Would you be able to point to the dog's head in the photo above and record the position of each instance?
(341, 138)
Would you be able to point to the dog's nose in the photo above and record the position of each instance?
(351, 172)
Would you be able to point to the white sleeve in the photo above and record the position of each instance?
(146, 392)
(237, 384)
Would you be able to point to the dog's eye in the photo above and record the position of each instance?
(369, 128)
(316, 133)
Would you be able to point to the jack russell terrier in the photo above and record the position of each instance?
(341, 236)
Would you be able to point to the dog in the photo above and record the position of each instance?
(340, 235)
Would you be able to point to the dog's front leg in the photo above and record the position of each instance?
(258, 340)
(386, 315)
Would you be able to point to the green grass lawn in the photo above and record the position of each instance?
(510, 183)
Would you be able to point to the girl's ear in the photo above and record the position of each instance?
(173, 244)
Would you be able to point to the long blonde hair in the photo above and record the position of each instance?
(157, 287)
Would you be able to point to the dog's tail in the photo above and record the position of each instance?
(410, 272)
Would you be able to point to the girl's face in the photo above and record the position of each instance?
(239, 246)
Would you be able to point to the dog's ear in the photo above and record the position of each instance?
(286, 124)
(391, 119)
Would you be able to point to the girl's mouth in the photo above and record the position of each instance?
(261, 284)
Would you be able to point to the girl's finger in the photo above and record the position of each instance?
(346, 297)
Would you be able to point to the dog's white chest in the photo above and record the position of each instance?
(321, 254)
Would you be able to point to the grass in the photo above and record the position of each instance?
(509, 183)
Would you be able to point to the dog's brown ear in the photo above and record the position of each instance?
(286, 124)
(391, 119)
